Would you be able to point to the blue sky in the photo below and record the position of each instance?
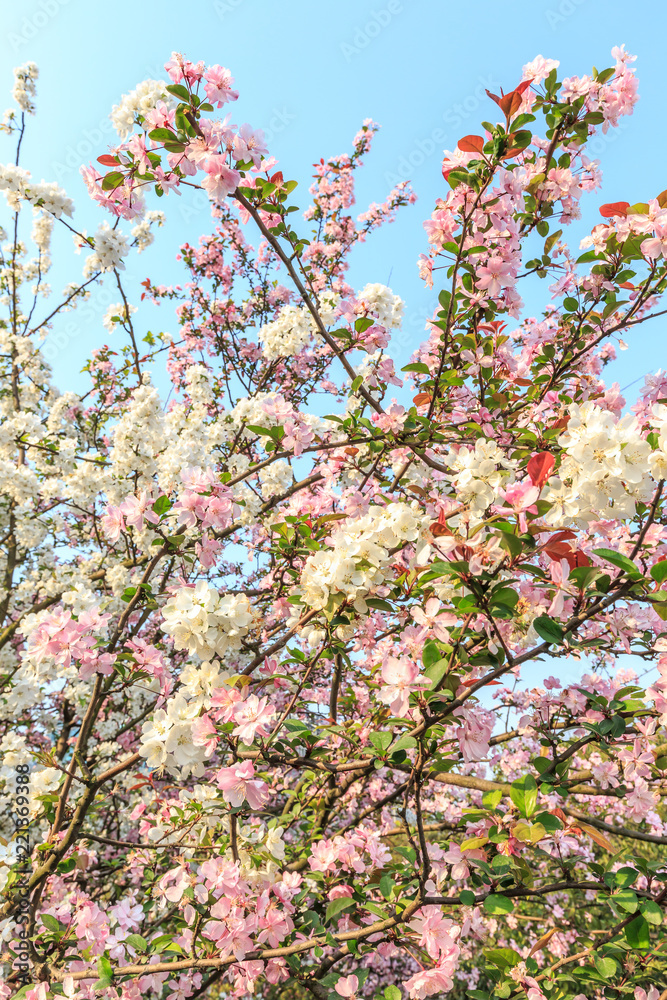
(309, 73)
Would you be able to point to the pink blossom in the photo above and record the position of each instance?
(401, 677)
(113, 523)
(473, 737)
(253, 717)
(430, 981)
(347, 986)
(238, 783)
(218, 86)
(430, 618)
(490, 276)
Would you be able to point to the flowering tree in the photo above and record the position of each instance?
(274, 717)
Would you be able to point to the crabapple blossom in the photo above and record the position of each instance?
(321, 670)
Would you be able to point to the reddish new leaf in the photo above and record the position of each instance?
(558, 550)
(510, 103)
(561, 536)
(524, 85)
(107, 160)
(540, 467)
(614, 208)
(471, 144)
(422, 398)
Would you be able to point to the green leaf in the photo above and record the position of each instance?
(492, 798)
(105, 972)
(337, 906)
(404, 743)
(162, 135)
(510, 543)
(467, 897)
(523, 794)
(20, 995)
(436, 671)
(624, 877)
(659, 571)
(112, 180)
(357, 382)
(503, 958)
(627, 900)
(137, 942)
(178, 90)
(431, 654)
(386, 886)
(548, 629)
(417, 366)
(637, 933)
(607, 967)
(549, 243)
(651, 912)
(162, 505)
(363, 323)
(392, 993)
(378, 604)
(51, 922)
(621, 561)
(380, 741)
(495, 903)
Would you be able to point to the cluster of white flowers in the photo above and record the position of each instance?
(382, 302)
(145, 96)
(143, 233)
(360, 555)
(116, 314)
(198, 681)
(478, 473)
(110, 248)
(17, 184)
(276, 478)
(658, 458)
(604, 470)
(42, 228)
(293, 328)
(167, 739)
(24, 86)
(202, 621)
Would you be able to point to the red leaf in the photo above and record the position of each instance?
(662, 199)
(422, 398)
(558, 550)
(108, 161)
(439, 527)
(580, 559)
(539, 468)
(473, 680)
(510, 103)
(471, 144)
(524, 85)
(561, 536)
(277, 178)
(614, 208)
